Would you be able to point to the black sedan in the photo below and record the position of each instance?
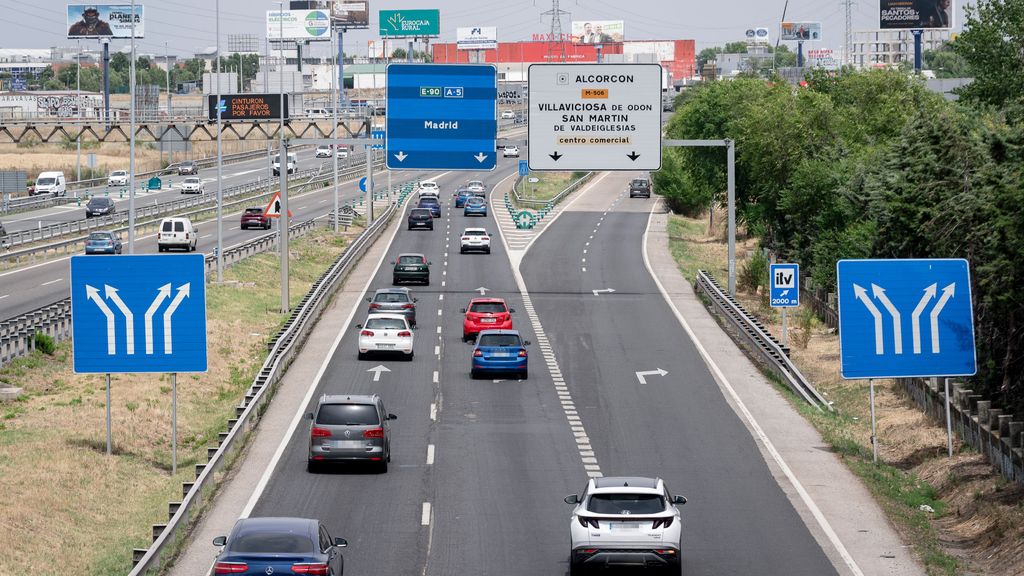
(261, 546)
(99, 206)
(421, 218)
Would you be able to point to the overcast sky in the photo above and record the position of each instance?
(189, 25)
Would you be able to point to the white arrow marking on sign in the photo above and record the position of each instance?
(377, 370)
(783, 293)
(129, 318)
(862, 295)
(183, 292)
(401, 156)
(480, 157)
(482, 291)
(915, 318)
(897, 324)
(94, 295)
(163, 294)
(641, 376)
(947, 293)
(603, 291)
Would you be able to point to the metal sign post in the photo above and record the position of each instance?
(784, 291)
(369, 186)
(949, 422)
(874, 437)
(283, 228)
(109, 447)
(174, 423)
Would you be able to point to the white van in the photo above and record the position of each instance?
(317, 113)
(52, 183)
(177, 233)
(291, 163)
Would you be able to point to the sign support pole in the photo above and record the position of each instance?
(369, 186)
(917, 50)
(283, 154)
(730, 148)
(106, 81)
(174, 423)
(131, 151)
(109, 451)
(220, 166)
(334, 125)
(874, 438)
(949, 422)
(785, 328)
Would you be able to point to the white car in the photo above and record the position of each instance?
(177, 233)
(475, 239)
(476, 186)
(323, 151)
(342, 153)
(510, 152)
(508, 115)
(429, 189)
(193, 185)
(118, 178)
(627, 521)
(385, 333)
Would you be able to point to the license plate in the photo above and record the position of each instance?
(347, 444)
(410, 268)
(502, 355)
(385, 345)
(488, 320)
(622, 526)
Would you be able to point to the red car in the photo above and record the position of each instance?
(486, 314)
(254, 218)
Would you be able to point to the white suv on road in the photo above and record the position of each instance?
(625, 521)
(475, 239)
(118, 178)
(429, 189)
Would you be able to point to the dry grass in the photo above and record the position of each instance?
(56, 483)
(980, 529)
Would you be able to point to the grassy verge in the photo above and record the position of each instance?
(57, 484)
(548, 185)
(900, 491)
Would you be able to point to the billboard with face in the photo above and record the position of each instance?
(801, 31)
(104, 21)
(597, 31)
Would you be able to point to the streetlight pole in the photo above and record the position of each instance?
(131, 145)
(78, 105)
(283, 171)
(220, 166)
(167, 67)
(334, 126)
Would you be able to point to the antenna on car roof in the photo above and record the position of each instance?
(625, 483)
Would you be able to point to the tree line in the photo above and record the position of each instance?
(65, 76)
(870, 164)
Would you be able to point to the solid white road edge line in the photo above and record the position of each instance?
(724, 383)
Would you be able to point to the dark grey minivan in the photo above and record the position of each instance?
(349, 428)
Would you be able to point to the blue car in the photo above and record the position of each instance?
(475, 206)
(262, 546)
(461, 196)
(103, 243)
(432, 204)
(500, 352)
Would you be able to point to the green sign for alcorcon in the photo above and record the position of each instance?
(396, 23)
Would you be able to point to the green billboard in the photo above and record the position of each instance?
(397, 23)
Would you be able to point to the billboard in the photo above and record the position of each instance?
(397, 23)
(914, 14)
(597, 31)
(800, 31)
(350, 13)
(248, 107)
(298, 25)
(757, 36)
(104, 21)
(478, 38)
(664, 49)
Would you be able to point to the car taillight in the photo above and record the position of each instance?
(485, 237)
(317, 432)
(321, 569)
(477, 353)
(465, 237)
(663, 522)
(230, 567)
(665, 552)
(366, 333)
(522, 353)
(588, 521)
(373, 433)
(374, 306)
(405, 334)
(408, 306)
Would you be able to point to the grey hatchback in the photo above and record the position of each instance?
(349, 428)
(394, 301)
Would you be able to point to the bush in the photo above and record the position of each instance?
(45, 344)
(754, 273)
(676, 186)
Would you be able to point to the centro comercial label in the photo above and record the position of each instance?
(595, 117)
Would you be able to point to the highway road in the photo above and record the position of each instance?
(480, 467)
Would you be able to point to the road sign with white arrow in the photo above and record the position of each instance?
(377, 370)
(138, 313)
(441, 117)
(784, 285)
(642, 376)
(905, 318)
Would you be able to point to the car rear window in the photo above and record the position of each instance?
(179, 226)
(254, 210)
(487, 307)
(475, 233)
(348, 414)
(192, 180)
(626, 504)
(167, 226)
(475, 201)
(45, 181)
(99, 236)
(421, 213)
(429, 200)
(391, 297)
(385, 324)
(410, 260)
(275, 543)
(499, 340)
(639, 182)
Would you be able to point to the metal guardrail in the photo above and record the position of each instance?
(282, 350)
(759, 340)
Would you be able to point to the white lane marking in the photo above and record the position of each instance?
(322, 201)
(425, 516)
(439, 312)
(584, 268)
(437, 377)
(433, 412)
(4, 296)
(584, 251)
(724, 383)
(443, 283)
(438, 329)
(301, 208)
(207, 236)
(430, 454)
(440, 297)
(51, 282)
(437, 352)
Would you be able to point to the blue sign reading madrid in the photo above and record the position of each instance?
(784, 285)
(138, 313)
(441, 116)
(905, 318)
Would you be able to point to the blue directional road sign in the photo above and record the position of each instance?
(905, 318)
(441, 116)
(362, 184)
(138, 313)
(378, 135)
(784, 285)
(524, 168)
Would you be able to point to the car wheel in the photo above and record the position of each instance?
(159, 248)
(488, 251)
(674, 567)
(410, 227)
(575, 568)
(361, 356)
(426, 282)
(462, 250)
(312, 467)
(473, 374)
(382, 467)
(394, 281)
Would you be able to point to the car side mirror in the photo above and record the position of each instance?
(430, 263)
(220, 541)
(359, 326)
(511, 310)
(462, 310)
(340, 543)
(415, 299)
(526, 342)
(392, 417)
(369, 299)
(679, 500)
(309, 415)
(572, 499)
(392, 261)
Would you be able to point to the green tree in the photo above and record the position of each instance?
(946, 63)
(120, 62)
(399, 54)
(991, 45)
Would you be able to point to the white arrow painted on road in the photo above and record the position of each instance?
(897, 324)
(183, 292)
(94, 295)
(129, 318)
(915, 318)
(401, 156)
(603, 291)
(480, 157)
(377, 371)
(163, 294)
(862, 295)
(642, 376)
(947, 293)
(482, 291)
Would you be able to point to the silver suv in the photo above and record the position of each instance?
(349, 428)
